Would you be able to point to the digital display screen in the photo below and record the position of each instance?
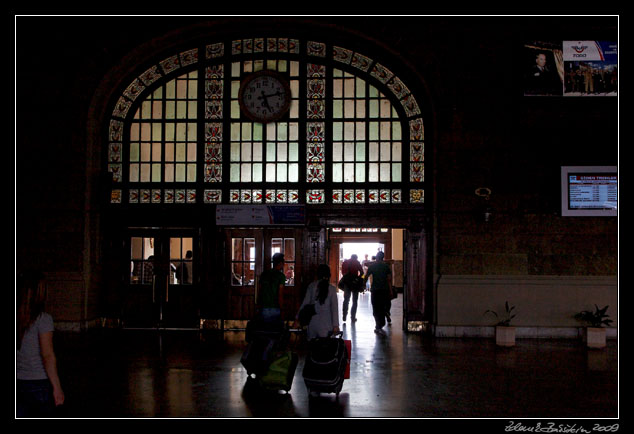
(592, 191)
(589, 191)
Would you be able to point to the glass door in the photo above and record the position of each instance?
(245, 265)
(286, 241)
(249, 253)
(162, 287)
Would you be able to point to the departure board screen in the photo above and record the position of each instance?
(589, 191)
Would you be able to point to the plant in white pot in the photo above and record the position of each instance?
(595, 330)
(504, 332)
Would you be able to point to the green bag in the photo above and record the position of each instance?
(279, 375)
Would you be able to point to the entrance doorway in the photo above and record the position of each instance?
(367, 241)
(249, 252)
(162, 285)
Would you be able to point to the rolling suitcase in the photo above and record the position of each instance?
(257, 355)
(264, 338)
(325, 366)
(280, 372)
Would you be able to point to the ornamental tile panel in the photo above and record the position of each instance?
(213, 110)
(133, 90)
(115, 196)
(116, 170)
(417, 151)
(416, 130)
(215, 71)
(189, 57)
(214, 89)
(114, 152)
(315, 172)
(122, 107)
(315, 196)
(293, 46)
(271, 45)
(315, 70)
(361, 62)
(213, 132)
(417, 196)
(236, 47)
(213, 196)
(410, 105)
(342, 55)
(214, 51)
(145, 195)
(398, 88)
(116, 131)
(417, 172)
(316, 88)
(213, 172)
(151, 75)
(381, 73)
(316, 109)
(316, 49)
(170, 64)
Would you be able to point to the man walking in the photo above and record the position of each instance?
(380, 290)
(272, 283)
(351, 269)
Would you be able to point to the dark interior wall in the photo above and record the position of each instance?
(480, 132)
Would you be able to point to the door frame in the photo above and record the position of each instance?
(240, 300)
(155, 297)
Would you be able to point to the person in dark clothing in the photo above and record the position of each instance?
(351, 269)
(541, 79)
(380, 290)
(272, 283)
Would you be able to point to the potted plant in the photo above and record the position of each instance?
(504, 332)
(595, 331)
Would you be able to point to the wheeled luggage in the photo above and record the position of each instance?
(257, 355)
(280, 372)
(264, 338)
(325, 366)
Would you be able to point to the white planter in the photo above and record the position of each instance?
(595, 337)
(505, 336)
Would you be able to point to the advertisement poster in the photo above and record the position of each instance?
(591, 68)
(570, 68)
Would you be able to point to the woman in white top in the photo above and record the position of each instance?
(324, 296)
(38, 389)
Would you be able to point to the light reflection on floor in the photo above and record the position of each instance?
(185, 374)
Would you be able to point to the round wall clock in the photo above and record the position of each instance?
(265, 96)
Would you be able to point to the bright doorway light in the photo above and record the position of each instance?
(360, 249)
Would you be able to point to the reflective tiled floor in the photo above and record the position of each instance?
(183, 374)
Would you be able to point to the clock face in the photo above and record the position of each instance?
(264, 96)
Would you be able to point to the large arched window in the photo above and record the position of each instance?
(353, 133)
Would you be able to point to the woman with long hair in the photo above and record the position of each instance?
(324, 296)
(38, 389)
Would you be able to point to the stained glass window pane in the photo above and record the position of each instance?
(363, 130)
